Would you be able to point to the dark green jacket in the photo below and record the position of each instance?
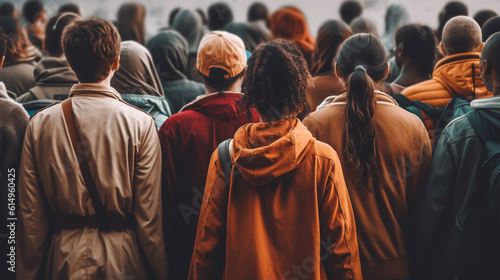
(454, 234)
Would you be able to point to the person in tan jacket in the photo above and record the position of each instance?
(384, 151)
(61, 233)
(455, 75)
(284, 200)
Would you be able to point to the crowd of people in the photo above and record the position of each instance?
(249, 150)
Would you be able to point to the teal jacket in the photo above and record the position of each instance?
(454, 234)
(156, 106)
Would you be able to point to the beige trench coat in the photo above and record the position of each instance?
(125, 160)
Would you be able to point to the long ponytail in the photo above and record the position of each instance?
(362, 60)
(360, 130)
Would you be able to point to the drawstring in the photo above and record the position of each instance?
(474, 79)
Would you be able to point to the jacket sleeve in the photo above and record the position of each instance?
(208, 260)
(33, 228)
(147, 201)
(339, 245)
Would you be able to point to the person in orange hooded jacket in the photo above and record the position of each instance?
(455, 75)
(285, 201)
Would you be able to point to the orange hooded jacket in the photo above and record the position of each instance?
(454, 75)
(286, 213)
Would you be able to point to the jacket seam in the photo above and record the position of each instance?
(347, 227)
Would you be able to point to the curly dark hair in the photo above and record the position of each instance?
(276, 81)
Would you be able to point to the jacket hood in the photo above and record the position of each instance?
(489, 108)
(264, 152)
(188, 23)
(53, 70)
(137, 73)
(170, 55)
(225, 108)
(459, 73)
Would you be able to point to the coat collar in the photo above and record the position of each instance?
(381, 97)
(92, 88)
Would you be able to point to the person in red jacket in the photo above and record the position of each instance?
(189, 138)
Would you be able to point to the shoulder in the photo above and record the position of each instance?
(12, 111)
(426, 90)
(459, 129)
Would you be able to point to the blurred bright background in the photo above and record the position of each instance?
(317, 11)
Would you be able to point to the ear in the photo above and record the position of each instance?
(480, 48)
(400, 49)
(486, 68)
(116, 64)
(443, 51)
(337, 72)
(1, 61)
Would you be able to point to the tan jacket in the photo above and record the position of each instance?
(285, 215)
(125, 160)
(403, 153)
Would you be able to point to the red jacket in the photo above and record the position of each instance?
(188, 140)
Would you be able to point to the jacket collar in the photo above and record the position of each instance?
(486, 103)
(200, 99)
(3, 91)
(456, 57)
(380, 96)
(92, 88)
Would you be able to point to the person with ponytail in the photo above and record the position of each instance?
(276, 205)
(384, 150)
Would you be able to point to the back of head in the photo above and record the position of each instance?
(70, 8)
(219, 14)
(491, 27)
(350, 10)
(130, 22)
(221, 60)
(362, 62)
(258, 11)
(451, 10)
(330, 36)
(188, 23)
(290, 23)
(276, 81)
(483, 16)
(7, 9)
(91, 46)
(18, 44)
(137, 72)
(32, 10)
(171, 16)
(461, 34)
(54, 30)
(491, 54)
(364, 25)
(419, 44)
(169, 50)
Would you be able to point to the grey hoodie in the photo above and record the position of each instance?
(54, 79)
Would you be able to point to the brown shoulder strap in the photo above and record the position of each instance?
(82, 158)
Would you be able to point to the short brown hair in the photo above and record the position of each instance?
(91, 46)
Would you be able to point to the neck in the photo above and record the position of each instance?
(409, 76)
(236, 87)
(496, 86)
(105, 82)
